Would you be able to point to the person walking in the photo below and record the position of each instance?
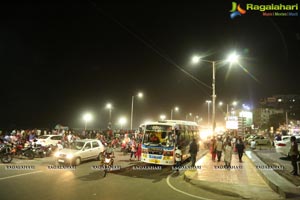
(213, 146)
(133, 148)
(139, 151)
(194, 148)
(228, 155)
(178, 158)
(294, 155)
(219, 149)
(240, 148)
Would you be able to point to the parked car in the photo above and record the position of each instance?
(283, 146)
(282, 138)
(47, 140)
(79, 151)
(259, 139)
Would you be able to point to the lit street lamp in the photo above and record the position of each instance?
(87, 118)
(109, 107)
(162, 117)
(231, 58)
(122, 121)
(176, 109)
(139, 95)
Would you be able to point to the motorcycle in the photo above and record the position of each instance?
(40, 151)
(107, 163)
(6, 154)
(24, 151)
(125, 148)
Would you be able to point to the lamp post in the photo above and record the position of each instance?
(87, 118)
(176, 109)
(109, 107)
(140, 95)
(208, 102)
(187, 115)
(231, 58)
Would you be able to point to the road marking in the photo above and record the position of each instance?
(4, 178)
(180, 191)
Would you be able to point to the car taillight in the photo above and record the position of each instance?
(281, 144)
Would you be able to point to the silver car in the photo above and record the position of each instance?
(79, 151)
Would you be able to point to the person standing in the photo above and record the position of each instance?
(178, 158)
(133, 148)
(219, 149)
(139, 151)
(294, 155)
(194, 148)
(240, 148)
(228, 155)
(213, 145)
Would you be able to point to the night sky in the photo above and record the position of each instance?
(59, 60)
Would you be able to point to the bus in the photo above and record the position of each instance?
(161, 138)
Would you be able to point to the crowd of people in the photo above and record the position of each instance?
(228, 145)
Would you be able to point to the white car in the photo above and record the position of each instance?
(283, 138)
(79, 151)
(47, 140)
(283, 146)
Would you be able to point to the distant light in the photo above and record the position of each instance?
(162, 117)
(176, 108)
(208, 101)
(220, 103)
(246, 107)
(234, 103)
(140, 95)
(195, 59)
(122, 120)
(87, 117)
(108, 106)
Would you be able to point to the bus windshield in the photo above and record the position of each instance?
(159, 135)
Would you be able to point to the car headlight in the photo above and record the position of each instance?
(69, 156)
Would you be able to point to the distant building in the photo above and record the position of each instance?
(289, 105)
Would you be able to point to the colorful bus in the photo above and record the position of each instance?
(161, 138)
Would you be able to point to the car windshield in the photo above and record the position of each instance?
(158, 135)
(77, 145)
(43, 137)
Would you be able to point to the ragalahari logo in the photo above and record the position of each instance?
(236, 10)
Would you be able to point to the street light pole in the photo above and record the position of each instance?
(176, 109)
(140, 95)
(131, 116)
(214, 96)
(208, 102)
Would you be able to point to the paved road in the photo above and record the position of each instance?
(85, 182)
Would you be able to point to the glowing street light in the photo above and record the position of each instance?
(122, 121)
(176, 109)
(87, 118)
(162, 117)
(139, 95)
(231, 58)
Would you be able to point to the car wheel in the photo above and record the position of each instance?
(77, 161)
(98, 157)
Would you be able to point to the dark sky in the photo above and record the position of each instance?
(59, 60)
